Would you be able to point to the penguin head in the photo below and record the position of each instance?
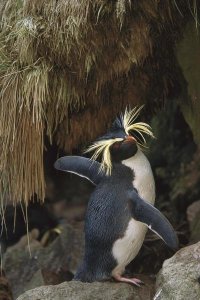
(122, 140)
(121, 144)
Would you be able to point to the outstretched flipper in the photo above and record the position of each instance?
(82, 166)
(153, 218)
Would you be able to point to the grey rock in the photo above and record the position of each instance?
(35, 281)
(193, 217)
(86, 291)
(179, 276)
(25, 271)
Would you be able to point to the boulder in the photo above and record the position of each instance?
(193, 217)
(75, 290)
(44, 265)
(179, 277)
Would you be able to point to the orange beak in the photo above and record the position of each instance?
(130, 138)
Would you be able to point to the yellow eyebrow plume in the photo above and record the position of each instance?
(103, 148)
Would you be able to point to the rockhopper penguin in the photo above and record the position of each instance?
(121, 207)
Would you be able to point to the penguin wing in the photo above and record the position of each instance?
(153, 218)
(82, 166)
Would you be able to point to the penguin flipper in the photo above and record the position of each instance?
(81, 166)
(153, 218)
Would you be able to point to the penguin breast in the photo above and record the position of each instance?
(143, 176)
(126, 248)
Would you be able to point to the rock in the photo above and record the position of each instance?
(193, 217)
(58, 260)
(75, 290)
(192, 211)
(26, 239)
(179, 276)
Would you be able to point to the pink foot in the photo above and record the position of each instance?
(134, 281)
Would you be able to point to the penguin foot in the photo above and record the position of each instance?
(134, 281)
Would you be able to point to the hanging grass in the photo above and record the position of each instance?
(67, 67)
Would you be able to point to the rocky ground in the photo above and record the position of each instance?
(86, 291)
(178, 279)
(46, 273)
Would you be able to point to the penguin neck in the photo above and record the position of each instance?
(139, 159)
(143, 177)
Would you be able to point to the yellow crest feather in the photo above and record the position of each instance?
(103, 148)
(140, 128)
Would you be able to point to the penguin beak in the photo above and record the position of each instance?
(130, 139)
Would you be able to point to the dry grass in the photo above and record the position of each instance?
(66, 69)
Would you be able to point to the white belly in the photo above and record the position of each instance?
(144, 180)
(125, 249)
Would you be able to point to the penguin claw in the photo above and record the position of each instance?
(137, 280)
(134, 281)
